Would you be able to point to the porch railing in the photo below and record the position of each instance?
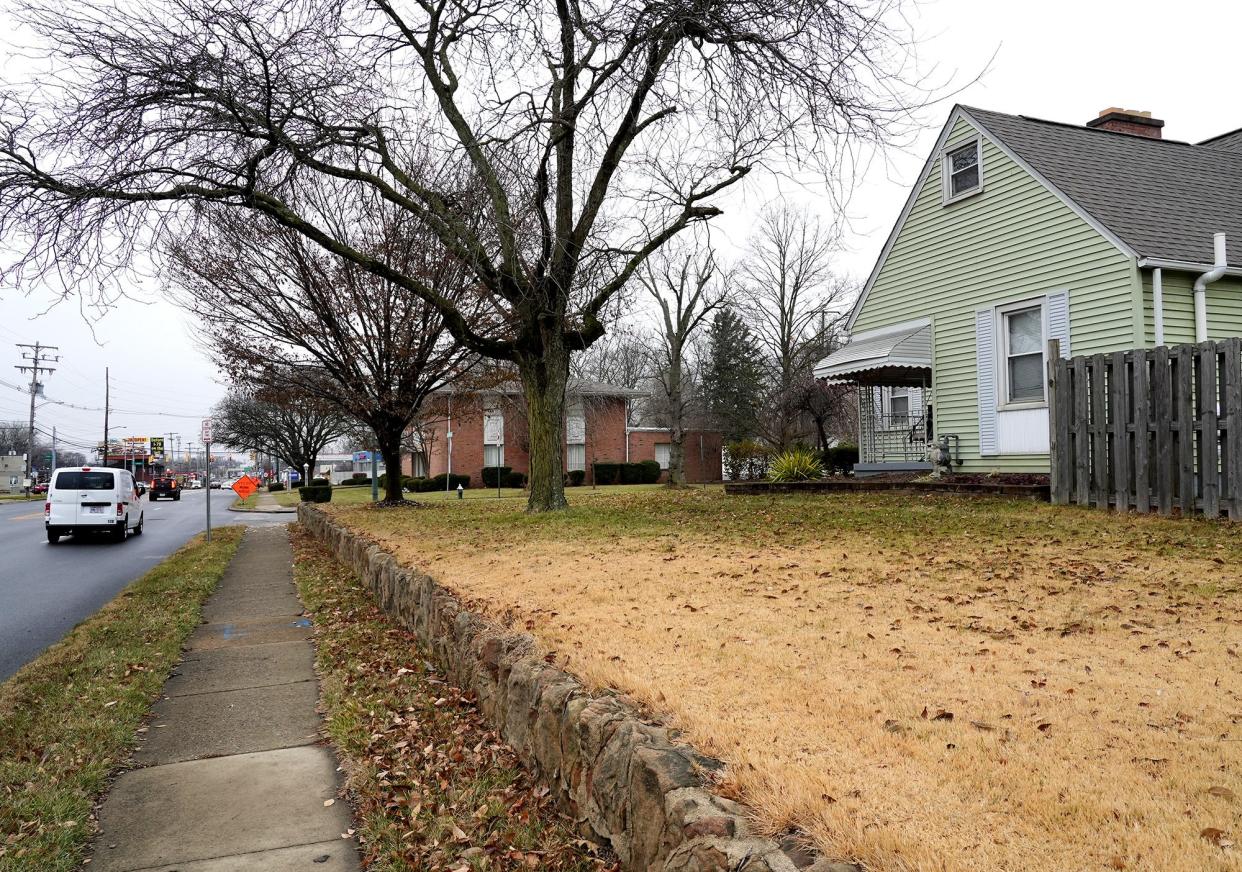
(890, 438)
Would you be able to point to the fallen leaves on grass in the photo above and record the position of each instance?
(433, 786)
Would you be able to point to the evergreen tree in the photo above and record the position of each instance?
(733, 376)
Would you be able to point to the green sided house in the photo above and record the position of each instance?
(1019, 231)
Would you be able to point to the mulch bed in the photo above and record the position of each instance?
(1032, 486)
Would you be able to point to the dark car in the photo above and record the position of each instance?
(165, 486)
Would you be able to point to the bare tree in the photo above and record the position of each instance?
(281, 422)
(14, 437)
(623, 357)
(596, 132)
(831, 408)
(687, 287)
(285, 315)
(798, 306)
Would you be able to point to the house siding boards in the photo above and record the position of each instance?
(1015, 240)
(1224, 308)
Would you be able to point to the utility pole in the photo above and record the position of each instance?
(107, 399)
(53, 446)
(37, 354)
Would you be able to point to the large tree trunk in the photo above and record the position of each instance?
(388, 438)
(677, 432)
(543, 384)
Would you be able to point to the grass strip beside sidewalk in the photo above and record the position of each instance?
(69, 717)
(433, 786)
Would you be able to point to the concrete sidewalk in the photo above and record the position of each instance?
(231, 776)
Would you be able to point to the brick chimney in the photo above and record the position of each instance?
(1130, 121)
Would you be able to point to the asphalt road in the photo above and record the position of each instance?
(46, 590)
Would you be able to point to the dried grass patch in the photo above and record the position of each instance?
(918, 683)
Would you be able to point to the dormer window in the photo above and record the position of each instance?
(962, 172)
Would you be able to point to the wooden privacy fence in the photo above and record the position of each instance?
(1153, 429)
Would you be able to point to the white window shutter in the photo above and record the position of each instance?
(985, 365)
(1058, 320)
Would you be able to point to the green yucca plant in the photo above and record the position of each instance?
(797, 464)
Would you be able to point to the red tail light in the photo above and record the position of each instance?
(47, 509)
(120, 509)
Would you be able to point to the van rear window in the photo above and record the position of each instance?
(87, 481)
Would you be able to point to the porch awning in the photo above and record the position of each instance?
(897, 356)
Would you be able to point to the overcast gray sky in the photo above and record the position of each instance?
(1059, 60)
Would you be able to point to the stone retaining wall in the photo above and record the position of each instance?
(625, 780)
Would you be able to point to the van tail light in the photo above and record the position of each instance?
(47, 509)
(120, 509)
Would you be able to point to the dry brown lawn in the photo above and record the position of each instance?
(916, 683)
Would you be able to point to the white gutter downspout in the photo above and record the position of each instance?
(1201, 283)
(1157, 303)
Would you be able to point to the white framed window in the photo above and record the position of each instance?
(575, 435)
(962, 171)
(899, 404)
(493, 438)
(1021, 341)
(662, 450)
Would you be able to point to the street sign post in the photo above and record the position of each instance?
(206, 434)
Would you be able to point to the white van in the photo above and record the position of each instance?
(84, 499)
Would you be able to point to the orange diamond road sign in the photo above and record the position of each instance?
(245, 487)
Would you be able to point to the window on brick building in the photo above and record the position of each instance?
(493, 438)
(575, 435)
(662, 450)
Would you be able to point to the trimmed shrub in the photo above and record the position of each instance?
(606, 473)
(516, 479)
(493, 474)
(646, 472)
(649, 471)
(409, 483)
(315, 494)
(320, 482)
(357, 477)
(746, 458)
(357, 482)
(275, 486)
(575, 477)
(841, 458)
(797, 464)
(441, 482)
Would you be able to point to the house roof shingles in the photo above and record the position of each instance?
(1163, 198)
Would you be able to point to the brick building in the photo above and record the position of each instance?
(489, 429)
(702, 448)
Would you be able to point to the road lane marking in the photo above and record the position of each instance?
(29, 517)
